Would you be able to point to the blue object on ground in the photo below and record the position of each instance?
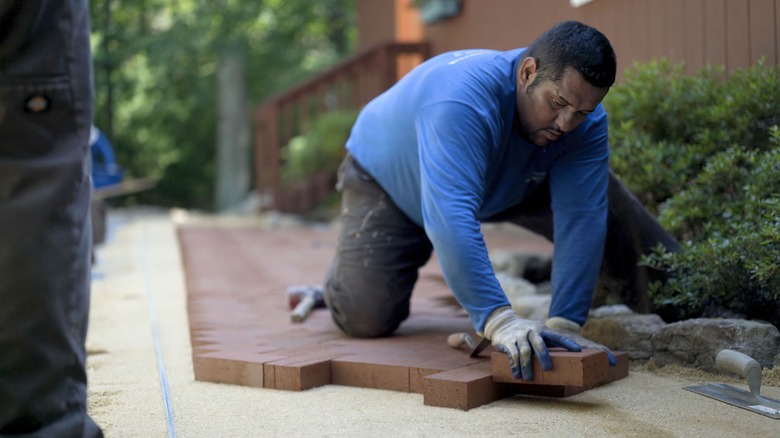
(105, 170)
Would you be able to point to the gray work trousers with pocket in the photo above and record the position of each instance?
(380, 251)
(45, 231)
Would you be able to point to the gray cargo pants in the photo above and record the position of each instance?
(380, 251)
(45, 237)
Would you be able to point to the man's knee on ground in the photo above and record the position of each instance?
(366, 314)
(367, 329)
(360, 322)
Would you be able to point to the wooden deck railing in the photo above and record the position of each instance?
(347, 86)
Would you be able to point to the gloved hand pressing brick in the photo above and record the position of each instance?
(571, 330)
(521, 338)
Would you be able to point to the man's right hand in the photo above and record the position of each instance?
(521, 338)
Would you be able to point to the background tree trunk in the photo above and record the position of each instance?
(232, 175)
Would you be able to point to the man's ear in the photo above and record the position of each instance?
(526, 72)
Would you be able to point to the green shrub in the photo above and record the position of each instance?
(665, 125)
(661, 100)
(703, 152)
(652, 169)
(731, 217)
(320, 149)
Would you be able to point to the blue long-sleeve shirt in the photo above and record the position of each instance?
(440, 143)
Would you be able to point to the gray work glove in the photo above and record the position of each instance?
(521, 338)
(571, 330)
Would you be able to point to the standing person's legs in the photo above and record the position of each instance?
(380, 251)
(631, 233)
(45, 237)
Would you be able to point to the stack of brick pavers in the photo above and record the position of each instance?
(242, 334)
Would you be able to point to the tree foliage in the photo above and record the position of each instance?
(704, 153)
(155, 76)
(320, 149)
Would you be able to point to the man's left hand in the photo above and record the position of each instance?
(571, 330)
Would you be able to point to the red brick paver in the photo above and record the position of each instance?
(242, 334)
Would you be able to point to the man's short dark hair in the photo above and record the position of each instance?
(576, 45)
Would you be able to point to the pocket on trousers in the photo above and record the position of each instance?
(35, 115)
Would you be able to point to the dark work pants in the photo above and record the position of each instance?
(380, 250)
(45, 237)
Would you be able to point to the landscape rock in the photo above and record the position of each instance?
(532, 266)
(535, 307)
(611, 310)
(624, 331)
(524, 277)
(696, 342)
(515, 289)
(515, 286)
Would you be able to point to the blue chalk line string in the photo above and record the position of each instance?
(156, 335)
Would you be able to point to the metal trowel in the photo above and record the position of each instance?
(748, 368)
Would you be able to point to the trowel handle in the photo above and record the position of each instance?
(742, 364)
(737, 363)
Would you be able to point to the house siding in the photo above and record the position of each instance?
(730, 33)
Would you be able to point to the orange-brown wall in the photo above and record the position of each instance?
(376, 22)
(732, 33)
(382, 21)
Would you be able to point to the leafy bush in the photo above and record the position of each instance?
(732, 217)
(703, 152)
(665, 124)
(320, 149)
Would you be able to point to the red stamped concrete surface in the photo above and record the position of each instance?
(241, 331)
